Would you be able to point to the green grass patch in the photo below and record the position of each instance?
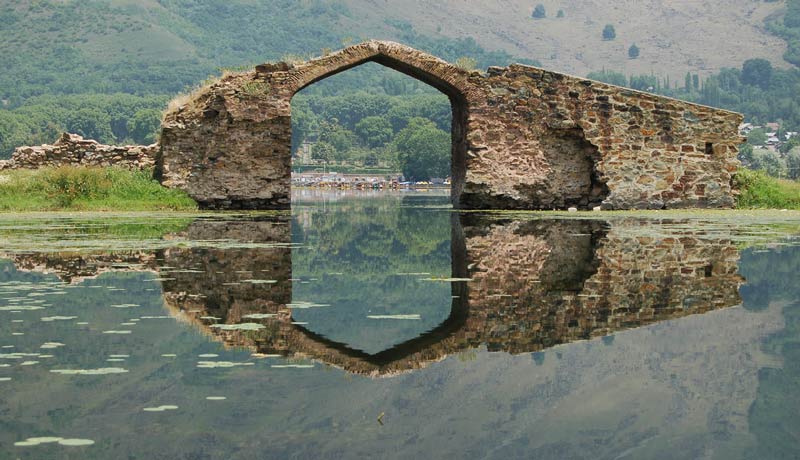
(758, 190)
(87, 189)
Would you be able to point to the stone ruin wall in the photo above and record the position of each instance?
(74, 150)
(523, 138)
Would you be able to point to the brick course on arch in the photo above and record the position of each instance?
(523, 138)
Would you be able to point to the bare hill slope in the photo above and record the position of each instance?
(675, 36)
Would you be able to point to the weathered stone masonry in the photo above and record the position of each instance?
(523, 138)
(74, 150)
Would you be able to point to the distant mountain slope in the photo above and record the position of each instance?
(160, 46)
(675, 36)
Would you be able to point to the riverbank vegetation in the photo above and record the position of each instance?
(759, 190)
(87, 189)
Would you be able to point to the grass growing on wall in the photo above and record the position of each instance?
(758, 190)
(87, 189)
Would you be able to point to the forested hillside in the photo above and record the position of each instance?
(138, 54)
(106, 68)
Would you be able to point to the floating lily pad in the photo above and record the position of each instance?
(264, 355)
(100, 371)
(221, 364)
(301, 305)
(76, 442)
(407, 317)
(160, 408)
(58, 318)
(239, 327)
(448, 280)
(259, 316)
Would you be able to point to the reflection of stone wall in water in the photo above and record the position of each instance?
(74, 268)
(585, 280)
(535, 284)
(203, 283)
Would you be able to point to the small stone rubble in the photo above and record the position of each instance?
(72, 149)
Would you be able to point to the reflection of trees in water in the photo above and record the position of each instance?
(772, 276)
(535, 283)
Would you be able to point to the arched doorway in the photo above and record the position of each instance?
(426, 69)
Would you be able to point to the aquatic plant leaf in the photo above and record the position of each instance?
(259, 316)
(408, 317)
(100, 371)
(160, 408)
(239, 327)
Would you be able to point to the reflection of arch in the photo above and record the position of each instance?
(445, 77)
(536, 284)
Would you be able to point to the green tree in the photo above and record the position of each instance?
(607, 76)
(757, 137)
(609, 33)
(633, 51)
(793, 163)
(323, 151)
(746, 155)
(770, 162)
(757, 72)
(560, 14)
(143, 127)
(539, 12)
(341, 138)
(91, 124)
(374, 131)
(423, 150)
(789, 145)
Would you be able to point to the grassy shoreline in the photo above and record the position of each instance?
(757, 190)
(96, 189)
(70, 188)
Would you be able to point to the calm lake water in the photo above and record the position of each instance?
(390, 326)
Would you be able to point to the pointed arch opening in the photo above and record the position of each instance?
(448, 80)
